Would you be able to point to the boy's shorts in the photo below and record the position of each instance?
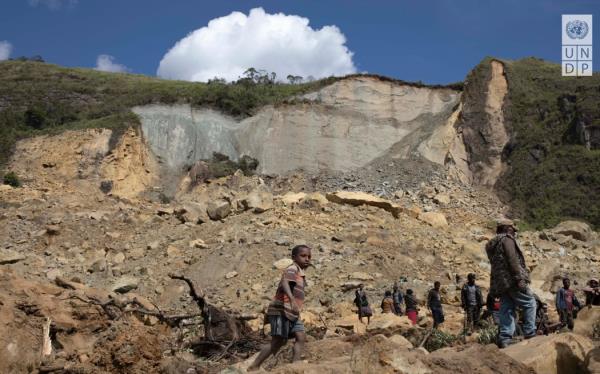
(283, 327)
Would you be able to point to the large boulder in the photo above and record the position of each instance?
(292, 198)
(8, 256)
(259, 200)
(587, 318)
(193, 212)
(218, 209)
(576, 229)
(388, 323)
(434, 219)
(552, 354)
(282, 263)
(362, 198)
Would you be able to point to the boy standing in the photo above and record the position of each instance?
(284, 310)
(566, 301)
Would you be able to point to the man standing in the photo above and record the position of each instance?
(472, 301)
(434, 302)
(566, 301)
(397, 297)
(509, 280)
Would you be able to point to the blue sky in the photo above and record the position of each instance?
(432, 41)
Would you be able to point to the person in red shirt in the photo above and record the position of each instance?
(284, 310)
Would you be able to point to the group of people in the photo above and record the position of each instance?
(391, 303)
(471, 298)
(509, 296)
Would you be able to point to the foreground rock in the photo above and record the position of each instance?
(587, 318)
(592, 361)
(552, 354)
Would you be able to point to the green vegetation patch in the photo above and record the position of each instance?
(553, 176)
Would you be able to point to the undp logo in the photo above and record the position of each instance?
(576, 45)
(577, 29)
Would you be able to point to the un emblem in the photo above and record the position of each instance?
(577, 29)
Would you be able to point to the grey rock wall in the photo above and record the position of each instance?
(344, 126)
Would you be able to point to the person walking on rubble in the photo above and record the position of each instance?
(434, 302)
(284, 310)
(412, 310)
(510, 281)
(362, 303)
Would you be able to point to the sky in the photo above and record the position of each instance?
(435, 41)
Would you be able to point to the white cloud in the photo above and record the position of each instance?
(53, 4)
(284, 44)
(5, 50)
(107, 63)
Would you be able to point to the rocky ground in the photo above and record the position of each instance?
(70, 248)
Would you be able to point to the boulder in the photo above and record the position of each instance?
(388, 323)
(259, 200)
(317, 198)
(193, 212)
(552, 354)
(361, 276)
(434, 219)
(198, 243)
(592, 361)
(173, 251)
(10, 257)
(125, 284)
(441, 199)
(291, 198)
(578, 230)
(231, 274)
(283, 263)
(218, 209)
(118, 258)
(351, 285)
(362, 198)
(586, 319)
(401, 341)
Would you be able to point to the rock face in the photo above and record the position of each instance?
(552, 354)
(347, 125)
(482, 124)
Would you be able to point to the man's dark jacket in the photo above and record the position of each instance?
(507, 262)
(464, 298)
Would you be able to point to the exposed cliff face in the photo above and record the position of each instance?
(341, 127)
(80, 161)
(482, 124)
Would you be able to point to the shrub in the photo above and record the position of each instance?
(440, 339)
(12, 179)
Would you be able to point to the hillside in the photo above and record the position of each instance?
(388, 182)
(38, 98)
(552, 151)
